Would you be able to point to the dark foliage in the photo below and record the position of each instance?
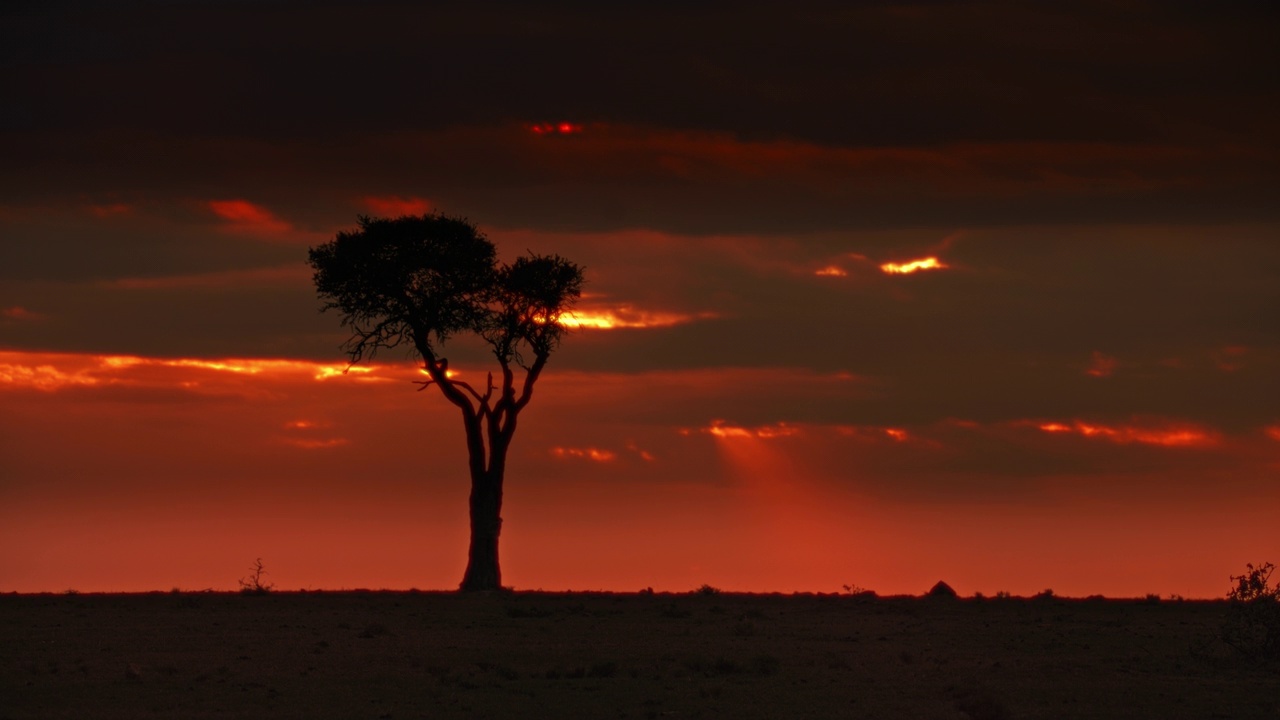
(424, 279)
(1253, 627)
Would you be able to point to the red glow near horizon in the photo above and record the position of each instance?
(147, 499)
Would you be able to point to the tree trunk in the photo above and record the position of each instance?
(483, 572)
(487, 470)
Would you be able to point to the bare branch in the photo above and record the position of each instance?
(531, 377)
(467, 386)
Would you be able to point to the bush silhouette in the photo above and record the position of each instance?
(1253, 625)
(253, 584)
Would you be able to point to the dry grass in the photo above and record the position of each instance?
(429, 655)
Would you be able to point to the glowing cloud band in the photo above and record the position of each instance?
(1167, 437)
(906, 268)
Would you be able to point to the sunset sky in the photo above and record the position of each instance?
(878, 293)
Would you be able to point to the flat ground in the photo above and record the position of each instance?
(436, 655)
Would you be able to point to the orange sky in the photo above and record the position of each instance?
(876, 295)
(145, 473)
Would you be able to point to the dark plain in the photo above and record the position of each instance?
(597, 655)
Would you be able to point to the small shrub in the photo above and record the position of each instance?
(707, 590)
(1254, 585)
(1253, 625)
(860, 592)
(253, 584)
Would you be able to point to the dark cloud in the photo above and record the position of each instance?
(627, 177)
(836, 73)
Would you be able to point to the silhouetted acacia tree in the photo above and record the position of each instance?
(417, 281)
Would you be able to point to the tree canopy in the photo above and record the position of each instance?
(424, 279)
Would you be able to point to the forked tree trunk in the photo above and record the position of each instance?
(483, 572)
(487, 462)
(488, 465)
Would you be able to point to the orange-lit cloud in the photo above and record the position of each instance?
(326, 371)
(627, 316)
(839, 267)
(874, 434)
(912, 266)
(1101, 366)
(897, 434)
(587, 453)
(1167, 436)
(55, 371)
(396, 206)
(42, 377)
(724, 431)
(1273, 431)
(244, 216)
